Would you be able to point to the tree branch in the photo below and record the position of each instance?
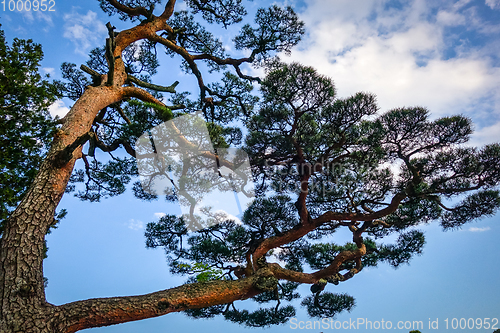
(132, 11)
(108, 311)
(169, 10)
(93, 73)
(301, 230)
(110, 53)
(247, 77)
(141, 94)
(187, 57)
(65, 155)
(391, 208)
(170, 89)
(311, 278)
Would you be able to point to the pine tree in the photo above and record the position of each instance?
(25, 124)
(320, 163)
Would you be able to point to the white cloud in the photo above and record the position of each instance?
(28, 15)
(475, 229)
(399, 55)
(32, 16)
(486, 135)
(493, 4)
(49, 70)
(44, 17)
(85, 31)
(58, 109)
(159, 215)
(222, 216)
(450, 18)
(135, 224)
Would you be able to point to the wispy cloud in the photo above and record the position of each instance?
(475, 229)
(493, 4)
(85, 31)
(135, 224)
(159, 215)
(406, 54)
(32, 16)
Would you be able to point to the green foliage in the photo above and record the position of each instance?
(225, 12)
(203, 272)
(140, 58)
(407, 245)
(26, 127)
(75, 84)
(277, 29)
(261, 317)
(163, 112)
(104, 179)
(192, 36)
(328, 305)
(270, 216)
(474, 206)
(237, 99)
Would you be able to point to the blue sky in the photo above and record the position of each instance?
(443, 55)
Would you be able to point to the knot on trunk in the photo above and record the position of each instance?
(266, 282)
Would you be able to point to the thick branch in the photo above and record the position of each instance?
(219, 61)
(334, 216)
(110, 51)
(108, 311)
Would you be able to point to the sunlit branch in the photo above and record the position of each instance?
(114, 310)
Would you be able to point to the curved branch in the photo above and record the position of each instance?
(132, 11)
(169, 10)
(301, 230)
(391, 208)
(229, 61)
(219, 61)
(247, 77)
(311, 278)
(186, 56)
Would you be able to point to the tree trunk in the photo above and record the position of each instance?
(23, 307)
